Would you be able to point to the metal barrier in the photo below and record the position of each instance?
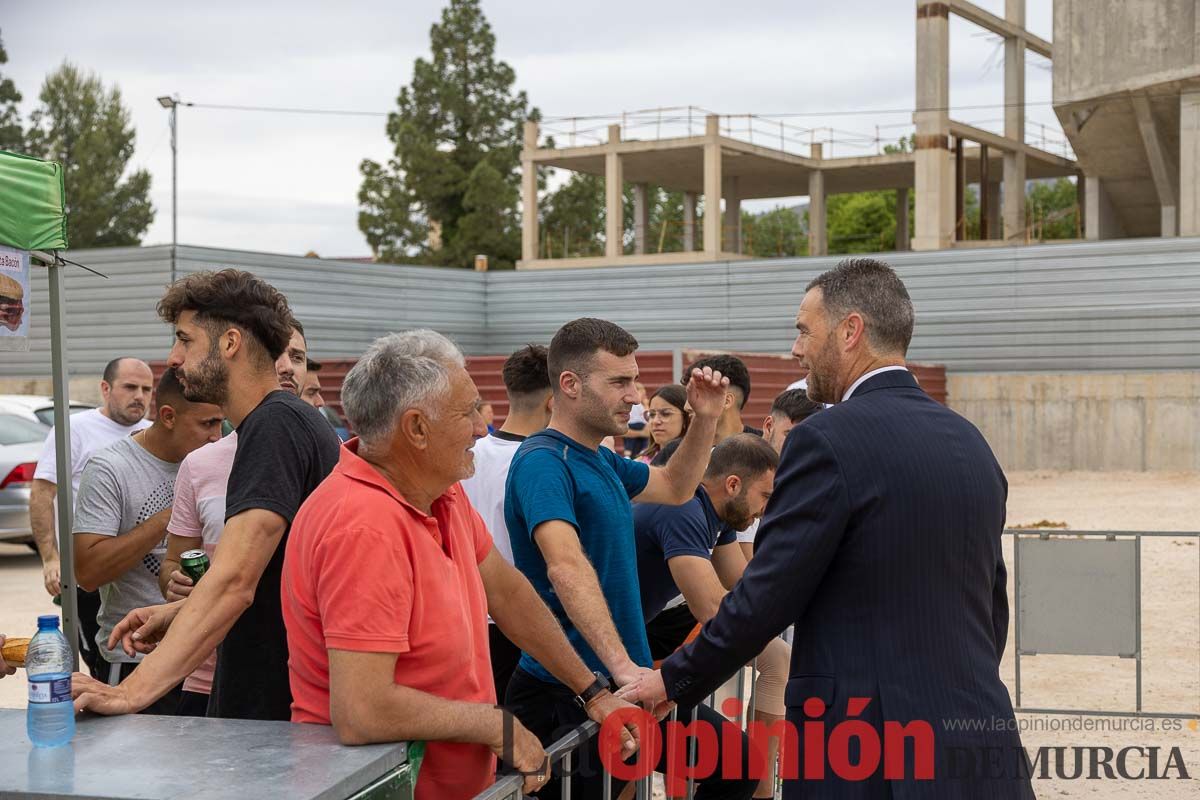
(508, 787)
(1075, 595)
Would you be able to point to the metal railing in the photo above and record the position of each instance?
(562, 751)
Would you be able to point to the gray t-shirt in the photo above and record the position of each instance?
(123, 486)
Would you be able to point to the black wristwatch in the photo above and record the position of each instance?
(597, 686)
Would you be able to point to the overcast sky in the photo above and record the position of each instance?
(288, 183)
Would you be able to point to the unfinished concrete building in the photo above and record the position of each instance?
(727, 162)
(1127, 92)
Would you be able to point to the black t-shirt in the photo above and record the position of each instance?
(285, 449)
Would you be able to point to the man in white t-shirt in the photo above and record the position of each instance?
(527, 383)
(125, 391)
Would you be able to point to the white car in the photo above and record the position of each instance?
(21, 442)
(35, 407)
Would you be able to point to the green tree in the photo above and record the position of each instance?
(86, 128)
(773, 234)
(574, 218)
(1053, 209)
(11, 136)
(459, 112)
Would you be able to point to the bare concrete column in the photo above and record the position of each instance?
(817, 245)
(933, 165)
(1162, 166)
(614, 198)
(689, 221)
(712, 186)
(1189, 164)
(732, 228)
(993, 204)
(902, 219)
(641, 217)
(529, 199)
(1099, 220)
(1014, 126)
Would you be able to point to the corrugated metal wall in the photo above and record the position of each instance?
(1100, 306)
(1105, 306)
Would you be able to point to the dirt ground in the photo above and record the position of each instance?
(1084, 501)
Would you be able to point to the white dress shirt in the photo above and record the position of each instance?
(868, 376)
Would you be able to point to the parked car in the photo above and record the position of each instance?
(36, 407)
(21, 442)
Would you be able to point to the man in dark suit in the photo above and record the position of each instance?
(881, 543)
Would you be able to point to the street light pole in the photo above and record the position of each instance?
(173, 104)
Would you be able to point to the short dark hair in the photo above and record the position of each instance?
(112, 368)
(169, 391)
(233, 297)
(746, 455)
(795, 405)
(731, 367)
(873, 289)
(312, 366)
(525, 374)
(577, 342)
(299, 329)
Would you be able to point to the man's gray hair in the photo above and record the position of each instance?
(398, 372)
(873, 289)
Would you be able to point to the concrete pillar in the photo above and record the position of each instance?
(1189, 164)
(689, 221)
(1162, 164)
(817, 244)
(1100, 220)
(712, 186)
(732, 227)
(993, 206)
(614, 198)
(1014, 127)
(641, 217)
(933, 164)
(902, 242)
(529, 199)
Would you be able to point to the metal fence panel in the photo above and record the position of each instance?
(1079, 597)
(1118, 305)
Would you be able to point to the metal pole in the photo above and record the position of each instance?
(62, 453)
(1017, 612)
(174, 177)
(1137, 582)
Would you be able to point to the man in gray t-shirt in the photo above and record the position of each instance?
(122, 511)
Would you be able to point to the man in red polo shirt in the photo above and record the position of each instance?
(390, 574)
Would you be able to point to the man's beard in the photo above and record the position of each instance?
(599, 419)
(130, 415)
(821, 372)
(209, 382)
(736, 513)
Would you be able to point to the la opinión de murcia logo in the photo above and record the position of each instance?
(852, 750)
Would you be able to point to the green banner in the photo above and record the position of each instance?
(32, 203)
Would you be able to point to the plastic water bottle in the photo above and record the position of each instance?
(50, 718)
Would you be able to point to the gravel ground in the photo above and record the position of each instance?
(1084, 501)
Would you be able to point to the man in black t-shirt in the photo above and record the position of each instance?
(230, 327)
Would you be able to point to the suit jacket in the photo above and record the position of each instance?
(881, 543)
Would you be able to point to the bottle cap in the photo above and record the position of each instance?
(48, 622)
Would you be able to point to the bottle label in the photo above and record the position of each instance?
(56, 691)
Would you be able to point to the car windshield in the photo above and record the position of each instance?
(46, 415)
(15, 430)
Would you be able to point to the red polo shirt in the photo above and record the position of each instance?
(366, 571)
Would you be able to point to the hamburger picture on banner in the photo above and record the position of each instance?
(14, 277)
